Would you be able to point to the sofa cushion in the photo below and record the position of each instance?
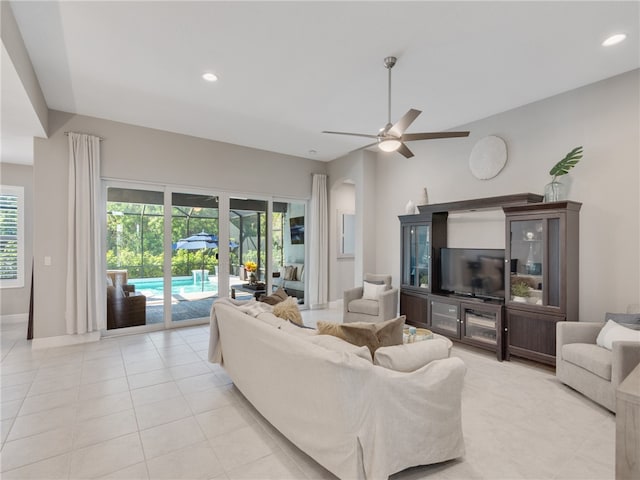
(629, 320)
(367, 307)
(390, 332)
(614, 332)
(276, 297)
(337, 345)
(593, 358)
(288, 309)
(371, 335)
(372, 291)
(358, 333)
(412, 356)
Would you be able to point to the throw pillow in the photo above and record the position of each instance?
(289, 272)
(372, 291)
(614, 332)
(370, 335)
(361, 334)
(629, 320)
(288, 309)
(335, 344)
(389, 332)
(412, 356)
(276, 297)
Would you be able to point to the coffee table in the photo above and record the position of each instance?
(245, 287)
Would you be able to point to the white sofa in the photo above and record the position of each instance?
(357, 419)
(294, 287)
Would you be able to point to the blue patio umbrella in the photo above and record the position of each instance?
(201, 241)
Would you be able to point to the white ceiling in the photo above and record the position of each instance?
(289, 70)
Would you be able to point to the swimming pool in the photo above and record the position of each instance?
(154, 287)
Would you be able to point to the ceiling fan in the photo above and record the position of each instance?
(391, 138)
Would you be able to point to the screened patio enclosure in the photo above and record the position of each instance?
(135, 247)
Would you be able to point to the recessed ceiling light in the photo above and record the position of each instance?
(614, 39)
(210, 77)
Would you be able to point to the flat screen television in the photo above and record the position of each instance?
(472, 272)
(296, 228)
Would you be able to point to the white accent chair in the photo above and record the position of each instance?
(358, 309)
(588, 368)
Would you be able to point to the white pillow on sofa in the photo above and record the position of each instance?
(372, 291)
(614, 332)
(411, 356)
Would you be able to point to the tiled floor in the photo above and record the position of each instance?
(151, 406)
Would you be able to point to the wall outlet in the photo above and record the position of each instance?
(47, 261)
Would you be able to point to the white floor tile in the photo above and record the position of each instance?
(224, 420)
(54, 468)
(101, 389)
(193, 462)
(165, 411)
(169, 437)
(155, 393)
(189, 370)
(101, 406)
(10, 409)
(210, 399)
(106, 457)
(242, 446)
(48, 401)
(143, 366)
(133, 472)
(24, 451)
(272, 467)
(27, 425)
(199, 383)
(100, 429)
(147, 379)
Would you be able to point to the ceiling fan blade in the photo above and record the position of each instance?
(402, 124)
(407, 137)
(351, 134)
(404, 150)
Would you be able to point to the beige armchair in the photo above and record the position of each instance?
(358, 309)
(588, 368)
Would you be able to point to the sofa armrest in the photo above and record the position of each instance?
(575, 332)
(626, 356)
(388, 302)
(349, 295)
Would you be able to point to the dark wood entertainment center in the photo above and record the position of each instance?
(541, 252)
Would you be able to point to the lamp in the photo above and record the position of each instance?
(389, 145)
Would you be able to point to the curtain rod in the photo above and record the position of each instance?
(100, 138)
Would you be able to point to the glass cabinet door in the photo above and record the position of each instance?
(531, 242)
(416, 248)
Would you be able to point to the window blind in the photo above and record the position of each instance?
(11, 241)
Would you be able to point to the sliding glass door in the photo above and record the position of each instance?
(166, 266)
(194, 259)
(134, 257)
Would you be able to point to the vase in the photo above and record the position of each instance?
(424, 197)
(553, 192)
(252, 278)
(410, 208)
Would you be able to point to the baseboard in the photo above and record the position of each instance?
(15, 318)
(64, 340)
(336, 304)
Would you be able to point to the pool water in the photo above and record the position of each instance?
(179, 286)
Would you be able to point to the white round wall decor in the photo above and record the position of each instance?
(488, 157)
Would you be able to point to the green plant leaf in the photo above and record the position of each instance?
(567, 163)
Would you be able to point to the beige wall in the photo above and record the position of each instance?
(15, 301)
(604, 118)
(143, 155)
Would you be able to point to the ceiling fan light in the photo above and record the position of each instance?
(614, 39)
(389, 145)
